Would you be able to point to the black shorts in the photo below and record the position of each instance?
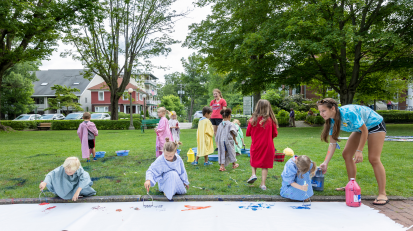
(216, 121)
(91, 143)
(379, 128)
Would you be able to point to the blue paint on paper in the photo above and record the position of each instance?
(301, 207)
(257, 206)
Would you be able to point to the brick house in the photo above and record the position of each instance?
(100, 98)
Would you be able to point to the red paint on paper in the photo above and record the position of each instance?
(195, 207)
(50, 208)
(44, 203)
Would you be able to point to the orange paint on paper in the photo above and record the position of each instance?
(44, 203)
(50, 208)
(118, 210)
(195, 207)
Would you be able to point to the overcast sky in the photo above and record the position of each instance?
(172, 60)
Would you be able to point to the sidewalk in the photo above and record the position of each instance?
(399, 211)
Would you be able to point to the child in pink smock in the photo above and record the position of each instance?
(87, 132)
(162, 131)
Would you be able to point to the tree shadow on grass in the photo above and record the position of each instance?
(19, 183)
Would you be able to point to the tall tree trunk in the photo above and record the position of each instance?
(257, 97)
(374, 101)
(346, 97)
(114, 102)
(191, 109)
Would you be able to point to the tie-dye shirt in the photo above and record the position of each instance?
(354, 116)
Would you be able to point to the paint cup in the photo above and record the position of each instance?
(353, 194)
(318, 180)
(191, 155)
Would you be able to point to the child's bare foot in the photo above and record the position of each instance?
(235, 165)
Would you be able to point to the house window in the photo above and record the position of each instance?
(44, 84)
(125, 95)
(140, 97)
(85, 100)
(118, 108)
(101, 95)
(102, 109)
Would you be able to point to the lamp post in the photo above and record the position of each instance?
(144, 106)
(131, 127)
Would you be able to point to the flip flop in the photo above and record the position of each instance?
(235, 166)
(386, 201)
(342, 189)
(222, 169)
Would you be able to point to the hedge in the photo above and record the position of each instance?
(396, 116)
(72, 124)
(315, 120)
(100, 124)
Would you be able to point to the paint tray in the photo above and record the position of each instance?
(100, 154)
(245, 151)
(279, 157)
(122, 152)
(213, 157)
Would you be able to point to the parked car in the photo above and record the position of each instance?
(26, 117)
(74, 116)
(100, 116)
(52, 117)
(198, 114)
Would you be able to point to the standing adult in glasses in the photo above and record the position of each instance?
(364, 125)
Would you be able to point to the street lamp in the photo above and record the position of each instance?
(131, 127)
(144, 106)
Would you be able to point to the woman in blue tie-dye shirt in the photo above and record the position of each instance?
(363, 123)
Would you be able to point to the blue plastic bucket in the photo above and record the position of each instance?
(122, 152)
(178, 151)
(100, 154)
(195, 151)
(213, 157)
(245, 151)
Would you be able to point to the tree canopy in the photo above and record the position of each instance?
(65, 99)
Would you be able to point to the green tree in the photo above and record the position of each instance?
(29, 29)
(171, 85)
(172, 103)
(236, 42)
(136, 30)
(65, 99)
(342, 43)
(18, 88)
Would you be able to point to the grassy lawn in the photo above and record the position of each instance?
(27, 156)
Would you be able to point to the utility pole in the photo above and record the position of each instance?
(180, 93)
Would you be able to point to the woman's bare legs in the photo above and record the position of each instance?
(349, 152)
(375, 143)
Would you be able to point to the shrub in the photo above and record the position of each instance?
(100, 124)
(275, 109)
(20, 125)
(300, 115)
(242, 120)
(195, 123)
(283, 113)
(315, 120)
(396, 116)
(283, 120)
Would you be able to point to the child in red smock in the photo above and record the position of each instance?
(262, 127)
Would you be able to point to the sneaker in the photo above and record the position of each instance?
(195, 163)
(216, 150)
(95, 159)
(88, 160)
(252, 179)
(263, 187)
(207, 163)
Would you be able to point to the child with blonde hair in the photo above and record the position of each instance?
(240, 137)
(204, 137)
(225, 139)
(297, 173)
(262, 127)
(69, 181)
(87, 132)
(174, 126)
(168, 171)
(162, 131)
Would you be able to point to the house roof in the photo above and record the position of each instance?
(104, 86)
(65, 77)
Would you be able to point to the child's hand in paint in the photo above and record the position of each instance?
(147, 185)
(42, 186)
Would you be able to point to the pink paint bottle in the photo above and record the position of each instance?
(353, 194)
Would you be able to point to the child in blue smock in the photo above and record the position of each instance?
(297, 170)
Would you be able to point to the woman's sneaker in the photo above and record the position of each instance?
(194, 163)
(207, 163)
(252, 179)
(263, 187)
